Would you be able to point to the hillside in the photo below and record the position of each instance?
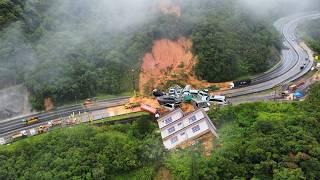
(257, 141)
(311, 34)
(68, 51)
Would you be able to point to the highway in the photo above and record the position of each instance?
(287, 70)
(16, 124)
(292, 59)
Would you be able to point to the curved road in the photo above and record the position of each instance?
(286, 71)
(292, 59)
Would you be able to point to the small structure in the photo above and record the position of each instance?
(177, 128)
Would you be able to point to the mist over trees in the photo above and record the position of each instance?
(311, 34)
(71, 50)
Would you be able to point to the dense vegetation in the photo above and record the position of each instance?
(70, 51)
(232, 44)
(311, 33)
(9, 11)
(85, 152)
(259, 141)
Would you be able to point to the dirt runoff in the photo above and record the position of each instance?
(170, 61)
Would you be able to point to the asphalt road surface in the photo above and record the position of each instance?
(292, 59)
(14, 125)
(286, 71)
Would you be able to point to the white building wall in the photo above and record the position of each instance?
(184, 122)
(175, 116)
(182, 136)
(203, 127)
(186, 134)
(199, 115)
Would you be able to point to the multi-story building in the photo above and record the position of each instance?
(177, 127)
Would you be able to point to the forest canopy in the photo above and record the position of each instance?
(311, 33)
(258, 141)
(264, 140)
(69, 51)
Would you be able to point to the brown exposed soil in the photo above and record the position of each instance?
(170, 61)
(48, 104)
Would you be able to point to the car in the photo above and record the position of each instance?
(172, 91)
(157, 93)
(301, 67)
(168, 100)
(220, 100)
(307, 58)
(202, 93)
(194, 92)
(87, 102)
(171, 107)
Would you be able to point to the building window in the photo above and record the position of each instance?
(174, 140)
(196, 128)
(171, 130)
(169, 120)
(192, 119)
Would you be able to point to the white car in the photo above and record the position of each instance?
(220, 100)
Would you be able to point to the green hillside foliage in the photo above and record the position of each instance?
(10, 10)
(71, 51)
(232, 44)
(259, 141)
(85, 152)
(311, 33)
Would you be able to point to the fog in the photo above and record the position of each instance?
(279, 7)
(36, 46)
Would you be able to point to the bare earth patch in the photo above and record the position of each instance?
(170, 61)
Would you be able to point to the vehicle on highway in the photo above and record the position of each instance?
(30, 121)
(132, 105)
(219, 100)
(240, 83)
(301, 67)
(87, 102)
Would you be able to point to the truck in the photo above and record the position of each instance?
(148, 108)
(240, 83)
(30, 121)
(132, 105)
